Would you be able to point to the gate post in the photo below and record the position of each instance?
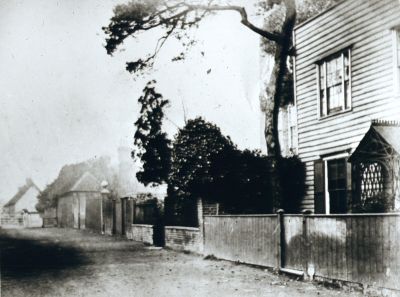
(281, 240)
(200, 220)
(104, 196)
(308, 275)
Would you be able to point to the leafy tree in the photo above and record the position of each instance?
(242, 182)
(194, 148)
(153, 145)
(45, 200)
(207, 164)
(174, 18)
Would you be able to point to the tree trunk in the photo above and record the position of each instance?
(274, 97)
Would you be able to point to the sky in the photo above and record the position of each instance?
(64, 100)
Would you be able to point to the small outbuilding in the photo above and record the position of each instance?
(79, 207)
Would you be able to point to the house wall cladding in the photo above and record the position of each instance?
(366, 27)
(183, 238)
(143, 233)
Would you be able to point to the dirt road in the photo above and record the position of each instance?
(63, 262)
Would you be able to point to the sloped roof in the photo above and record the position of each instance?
(73, 177)
(391, 134)
(86, 183)
(382, 138)
(21, 192)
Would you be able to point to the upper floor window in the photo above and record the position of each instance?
(334, 84)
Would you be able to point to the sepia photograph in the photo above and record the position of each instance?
(199, 148)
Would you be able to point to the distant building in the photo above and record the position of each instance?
(24, 200)
(80, 206)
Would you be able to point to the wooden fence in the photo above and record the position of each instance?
(356, 248)
(353, 247)
(248, 239)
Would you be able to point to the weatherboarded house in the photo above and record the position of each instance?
(347, 90)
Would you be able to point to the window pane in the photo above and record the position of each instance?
(323, 102)
(347, 94)
(337, 185)
(346, 65)
(335, 96)
(321, 77)
(334, 71)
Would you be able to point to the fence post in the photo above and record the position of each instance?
(306, 246)
(281, 240)
(200, 220)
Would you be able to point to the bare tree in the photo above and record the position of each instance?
(176, 17)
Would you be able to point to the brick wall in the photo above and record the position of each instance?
(183, 238)
(143, 233)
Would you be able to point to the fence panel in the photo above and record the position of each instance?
(356, 248)
(362, 248)
(293, 245)
(249, 239)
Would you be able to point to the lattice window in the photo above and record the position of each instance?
(372, 180)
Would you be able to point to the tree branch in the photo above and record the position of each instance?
(245, 21)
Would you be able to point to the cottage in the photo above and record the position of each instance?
(24, 200)
(347, 96)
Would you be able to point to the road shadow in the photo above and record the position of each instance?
(25, 258)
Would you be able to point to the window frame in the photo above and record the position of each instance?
(292, 135)
(325, 161)
(324, 61)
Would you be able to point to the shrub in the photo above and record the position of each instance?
(207, 165)
(292, 175)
